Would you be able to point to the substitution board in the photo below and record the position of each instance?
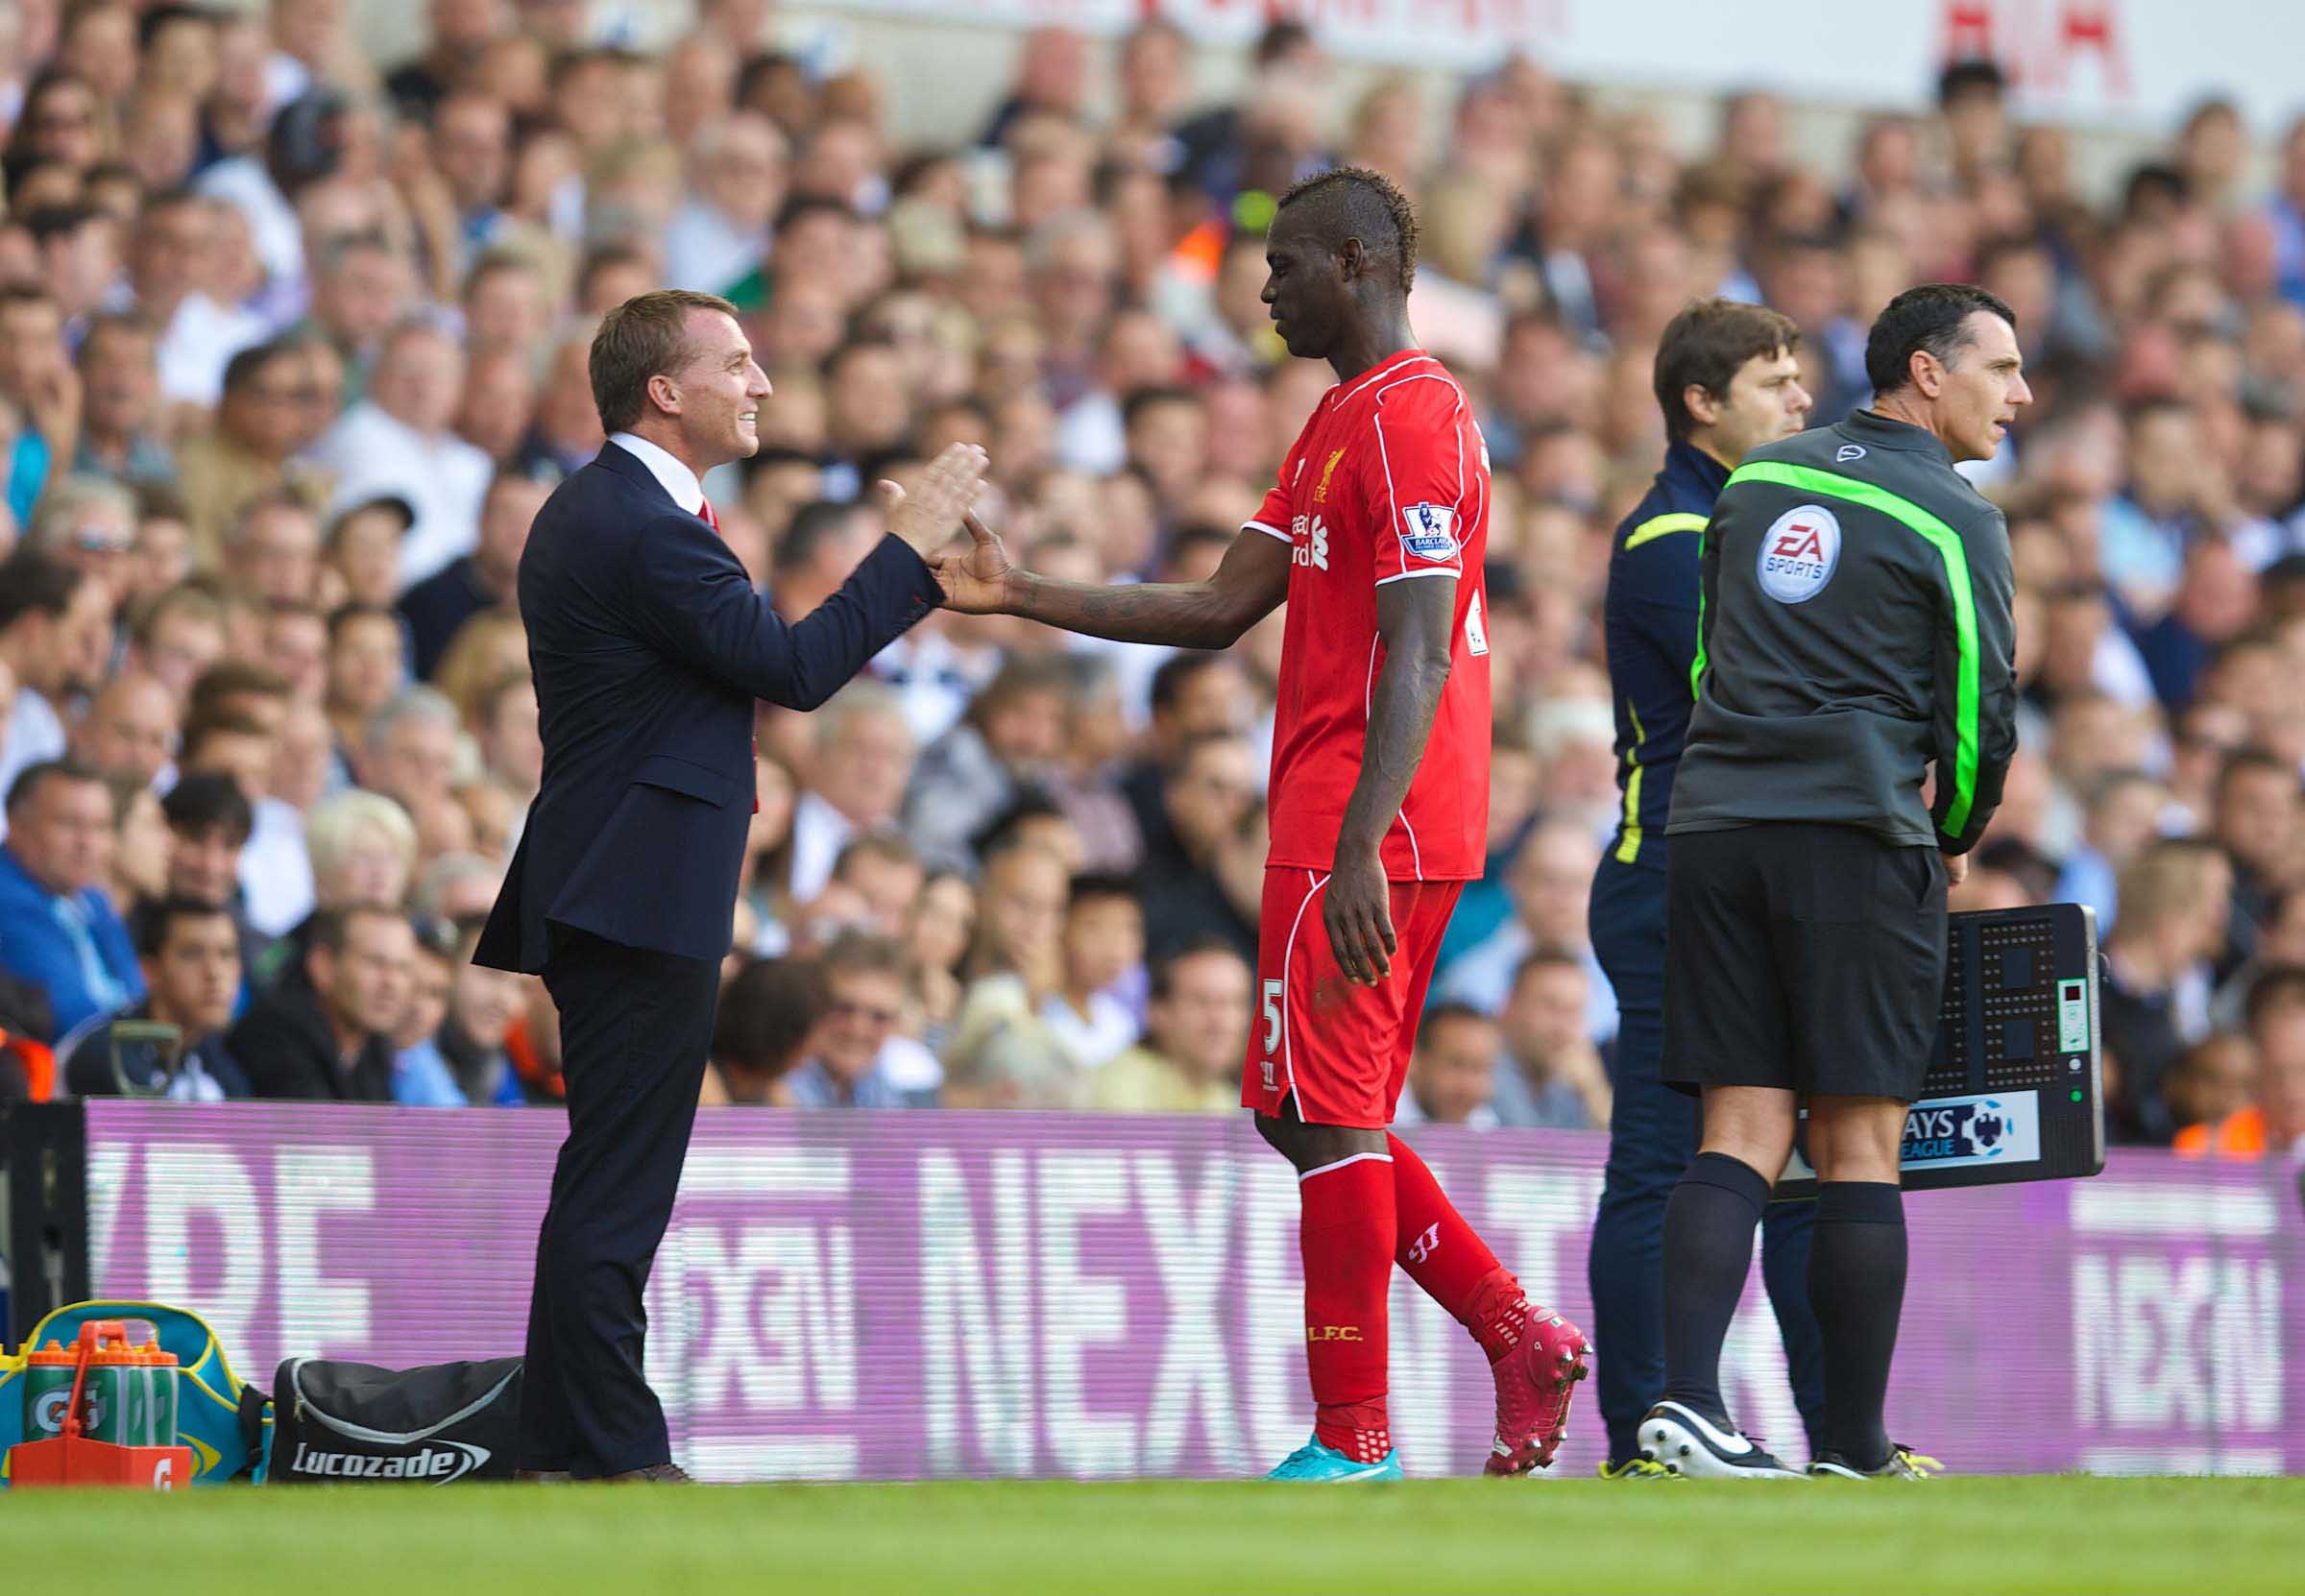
(2015, 1089)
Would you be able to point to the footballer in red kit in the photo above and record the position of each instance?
(1388, 483)
(1375, 534)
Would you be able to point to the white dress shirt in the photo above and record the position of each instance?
(678, 480)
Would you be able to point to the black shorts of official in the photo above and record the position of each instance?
(1803, 956)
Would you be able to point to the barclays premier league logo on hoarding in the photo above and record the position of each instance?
(1947, 1132)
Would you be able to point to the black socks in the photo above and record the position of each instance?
(1857, 1287)
(1856, 1263)
(1709, 1224)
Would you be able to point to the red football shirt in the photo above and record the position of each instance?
(1387, 482)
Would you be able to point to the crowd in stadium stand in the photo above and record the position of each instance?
(291, 351)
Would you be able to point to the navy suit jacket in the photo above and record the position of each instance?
(649, 646)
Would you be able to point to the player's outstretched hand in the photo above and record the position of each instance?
(975, 579)
(1957, 869)
(948, 490)
(1358, 912)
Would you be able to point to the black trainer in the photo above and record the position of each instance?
(1689, 1443)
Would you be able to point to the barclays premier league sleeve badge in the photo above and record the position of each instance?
(1798, 554)
(1428, 532)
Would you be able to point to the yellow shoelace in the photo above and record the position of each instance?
(1638, 1469)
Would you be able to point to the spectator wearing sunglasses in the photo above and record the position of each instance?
(857, 1062)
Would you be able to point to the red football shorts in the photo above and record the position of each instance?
(1341, 1050)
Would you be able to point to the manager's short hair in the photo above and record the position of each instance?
(1706, 346)
(643, 337)
(1933, 317)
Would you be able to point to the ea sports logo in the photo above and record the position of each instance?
(1798, 554)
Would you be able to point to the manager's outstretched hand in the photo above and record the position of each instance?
(927, 520)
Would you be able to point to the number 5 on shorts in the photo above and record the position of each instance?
(1273, 992)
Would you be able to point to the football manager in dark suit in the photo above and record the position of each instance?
(650, 646)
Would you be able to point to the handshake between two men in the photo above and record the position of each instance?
(976, 577)
(943, 503)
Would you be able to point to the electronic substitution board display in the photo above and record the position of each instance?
(2014, 1090)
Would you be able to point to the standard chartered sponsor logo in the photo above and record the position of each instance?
(1309, 546)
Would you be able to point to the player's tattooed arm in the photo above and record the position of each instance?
(1252, 578)
(1415, 620)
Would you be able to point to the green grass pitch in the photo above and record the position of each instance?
(1974, 1535)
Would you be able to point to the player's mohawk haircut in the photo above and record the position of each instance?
(1359, 203)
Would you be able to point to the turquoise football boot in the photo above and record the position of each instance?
(1322, 1465)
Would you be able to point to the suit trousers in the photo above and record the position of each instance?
(634, 1029)
(1652, 1138)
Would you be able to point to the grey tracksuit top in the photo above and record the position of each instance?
(1854, 625)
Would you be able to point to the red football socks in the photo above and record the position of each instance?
(1442, 1253)
(1346, 1233)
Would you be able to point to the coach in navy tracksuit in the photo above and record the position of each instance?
(1728, 382)
(650, 646)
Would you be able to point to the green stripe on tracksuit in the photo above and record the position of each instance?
(1854, 627)
(1946, 541)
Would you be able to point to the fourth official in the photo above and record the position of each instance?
(1854, 637)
